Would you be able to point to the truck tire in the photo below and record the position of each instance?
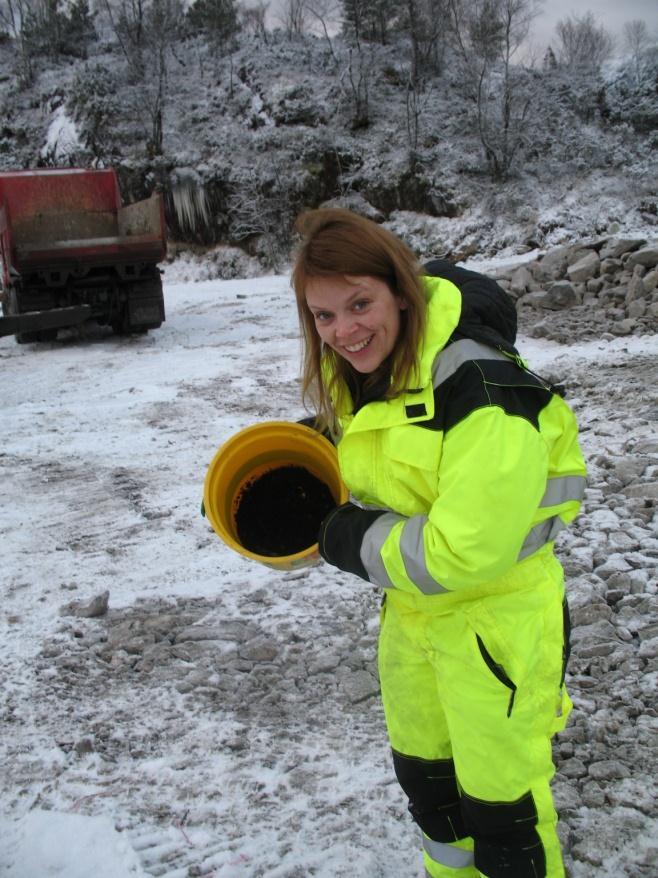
(121, 326)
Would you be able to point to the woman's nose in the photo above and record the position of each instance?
(345, 325)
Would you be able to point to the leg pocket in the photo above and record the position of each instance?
(498, 671)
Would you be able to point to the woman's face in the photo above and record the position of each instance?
(357, 316)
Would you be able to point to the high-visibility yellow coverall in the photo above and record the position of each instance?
(458, 489)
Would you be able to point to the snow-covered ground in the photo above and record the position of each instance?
(222, 719)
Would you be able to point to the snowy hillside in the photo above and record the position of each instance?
(221, 719)
(250, 133)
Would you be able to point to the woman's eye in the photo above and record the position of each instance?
(360, 305)
(322, 316)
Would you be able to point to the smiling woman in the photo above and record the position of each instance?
(462, 467)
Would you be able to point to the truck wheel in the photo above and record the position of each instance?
(122, 327)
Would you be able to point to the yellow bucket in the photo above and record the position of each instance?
(248, 455)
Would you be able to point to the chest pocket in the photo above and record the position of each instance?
(408, 468)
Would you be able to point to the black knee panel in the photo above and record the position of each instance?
(433, 795)
(507, 844)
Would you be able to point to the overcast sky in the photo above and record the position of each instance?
(611, 13)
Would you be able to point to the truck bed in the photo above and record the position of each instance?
(89, 251)
(133, 233)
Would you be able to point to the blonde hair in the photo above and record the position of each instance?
(336, 243)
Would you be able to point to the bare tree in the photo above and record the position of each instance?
(252, 19)
(294, 17)
(355, 82)
(14, 15)
(46, 28)
(415, 106)
(582, 43)
(326, 14)
(147, 32)
(425, 21)
(636, 43)
(488, 35)
(262, 214)
(369, 20)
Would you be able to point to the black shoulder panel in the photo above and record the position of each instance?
(481, 383)
(488, 313)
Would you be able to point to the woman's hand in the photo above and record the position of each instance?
(341, 535)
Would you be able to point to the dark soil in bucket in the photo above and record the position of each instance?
(280, 512)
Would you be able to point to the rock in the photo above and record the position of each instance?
(615, 247)
(645, 490)
(635, 290)
(84, 746)
(637, 308)
(652, 313)
(260, 649)
(626, 469)
(623, 327)
(592, 795)
(573, 768)
(557, 297)
(648, 648)
(553, 264)
(609, 266)
(608, 769)
(521, 280)
(647, 257)
(590, 613)
(586, 267)
(650, 281)
(199, 632)
(359, 685)
(92, 609)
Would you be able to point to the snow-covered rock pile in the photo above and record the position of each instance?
(607, 755)
(609, 286)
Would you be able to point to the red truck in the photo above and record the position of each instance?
(71, 252)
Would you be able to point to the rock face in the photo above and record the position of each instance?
(609, 285)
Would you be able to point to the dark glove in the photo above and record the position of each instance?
(341, 535)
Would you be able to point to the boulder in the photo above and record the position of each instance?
(614, 248)
(586, 267)
(647, 256)
(610, 266)
(623, 327)
(637, 308)
(521, 281)
(553, 264)
(650, 280)
(635, 290)
(558, 296)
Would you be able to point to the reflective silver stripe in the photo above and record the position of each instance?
(412, 550)
(541, 533)
(447, 854)
(371, 547)
(563, 489)
(458, 353)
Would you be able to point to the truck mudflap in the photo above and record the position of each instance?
(42, 321)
